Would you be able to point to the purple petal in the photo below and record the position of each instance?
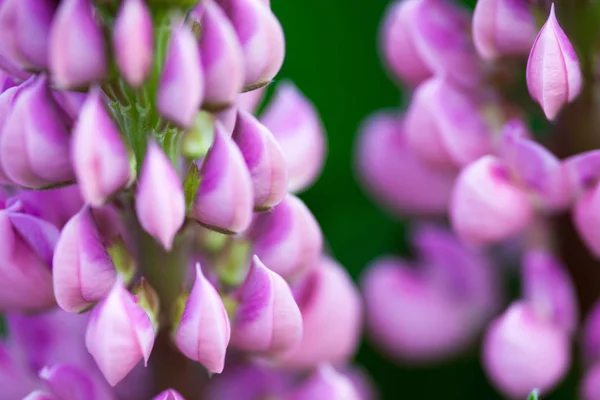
(77, 49)
(204, 331)
(100, 157)
(181, 87)
(160, 201)
(133, 41)
(295, 124)
(553, 74)
(83, 271)
(264, 159)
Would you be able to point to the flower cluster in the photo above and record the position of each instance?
(464, 149)
(149, 224)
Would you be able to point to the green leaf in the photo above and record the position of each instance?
(191, 184)
(534, 395)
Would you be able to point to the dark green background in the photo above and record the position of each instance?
(332, 56)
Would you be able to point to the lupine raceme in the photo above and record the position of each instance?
(495, 162)
(153, 246)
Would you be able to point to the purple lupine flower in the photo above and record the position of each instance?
(224, 200)
(181, 88)
(77, 48)
(521, 351)
(486, 205)
(453, 286)
(260, 36)
(287, 238)
(503, 27)
(100, 158)
(98, 104)
(35, 120)
(295, 124)
(120, 334)
(83, 271)
(160, 203)
(444, 127)
(26, 257)
(395, 175)
(533, 332)
(264, 159)
(204, 331)
(553, 74)
(25, 26)
(425, 38)
(267, 318)
(222, 57)
(133, 41)
(329, 302)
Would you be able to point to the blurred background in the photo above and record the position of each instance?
(332, 56)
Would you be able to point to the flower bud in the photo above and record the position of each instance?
(287, 238)
(295, 124)
(77, 49)
(264, 159)
(100, 157)
(425, 38)
(549, 289)
(325, 384)
(36, 122)
(260, 36)
(119, 334)
(204, 331)
(445, 126)
(331, 316)
(534, 167)
(486, 206)
(160, 201)
(133, 41)
(24, 27)
(267, 318)
(181, 87)
(168, 394)
(395, 175)
(71, 382)
(27, 247)
(523, 351)
(224, 198)
(404, 309)
(399, 51)
(222, 58)
(553, 74)
(83, 271)
(503, 28)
